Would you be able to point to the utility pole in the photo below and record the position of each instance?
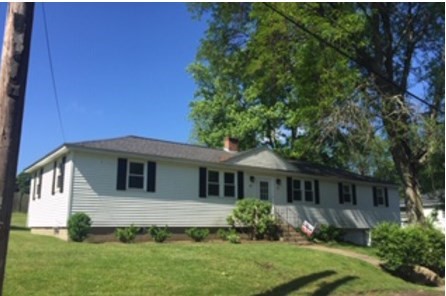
(14, 70)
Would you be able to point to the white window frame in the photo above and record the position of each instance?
(234, 184)
(218, 182)
(144, 175)
(294, 190)
(349, 193)
(59, 173)
(380, 193)
(304, 197)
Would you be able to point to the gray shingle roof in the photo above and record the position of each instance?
(146, 146)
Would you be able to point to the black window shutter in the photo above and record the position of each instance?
(241, 185)
(122, 174)
(151, 176)
(62, 173)
(316, 192)
(386, 196)
(375, 198)
(354, 194)
(289, 189)
(341, 195)
(202, 182)
(53, 188)
(39, 188)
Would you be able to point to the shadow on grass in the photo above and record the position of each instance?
(20, 228)
(296, 284)
(326, 289)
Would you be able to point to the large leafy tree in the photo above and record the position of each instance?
(329, 83)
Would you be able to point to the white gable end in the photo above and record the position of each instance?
(263, 158)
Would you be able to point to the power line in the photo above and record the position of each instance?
(345, 54)
(56, 97)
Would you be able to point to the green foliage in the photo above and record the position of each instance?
(328, 233)
(159, 234)
(79, 226)
(127, 234)
(410, 246)
(262, 79)
(233, 238)
(254, 215)
(230, 235)
(197, 234)
(23, 182)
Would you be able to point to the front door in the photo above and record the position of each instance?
(264, 190)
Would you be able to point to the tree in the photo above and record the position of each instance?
(23, 182)
(327, 82)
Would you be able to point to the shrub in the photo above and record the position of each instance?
(233, 238)
(328, 233)
(223, 233)
(410, 246)
(159, 234)
(79, 226)
(127, 234)
(254, 215)
(197, 234)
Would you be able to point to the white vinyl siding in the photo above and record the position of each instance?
(49, 210)
(175, 203)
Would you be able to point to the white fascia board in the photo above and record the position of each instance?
(53, 155)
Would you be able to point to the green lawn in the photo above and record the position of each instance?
(39, 265)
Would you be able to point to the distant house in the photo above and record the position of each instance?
(433, 206)
(147, 182)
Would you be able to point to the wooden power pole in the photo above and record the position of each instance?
(14, 70)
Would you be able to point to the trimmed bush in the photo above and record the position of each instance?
(233, 238)
(223, 233)
(328, 233)
(197, 234)
(127, 234)
(159, 234)
(407, 247)
(253, 215)
(79, 226)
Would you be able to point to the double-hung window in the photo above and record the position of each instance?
(136, 175)
(347, 193)
(297, 191)
(213, 183)
(229, 189)
(380, 196)
(308, 186)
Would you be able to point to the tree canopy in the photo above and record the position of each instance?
(330, 83)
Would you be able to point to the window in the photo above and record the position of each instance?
(213, 183)
(229, 184)
(297, 192)
(308, 191)
(264, 190)
(346, 192)
(380, 195)
(136, 175)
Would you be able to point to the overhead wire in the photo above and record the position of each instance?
(348, 56)
(53, 79)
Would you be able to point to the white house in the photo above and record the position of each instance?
(147, 182)
(433, 209)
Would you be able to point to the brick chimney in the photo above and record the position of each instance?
(231, 144)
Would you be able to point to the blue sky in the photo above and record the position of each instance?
(120, 69)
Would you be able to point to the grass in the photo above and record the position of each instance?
(39, 265)
(18, 220)
(370, 251)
